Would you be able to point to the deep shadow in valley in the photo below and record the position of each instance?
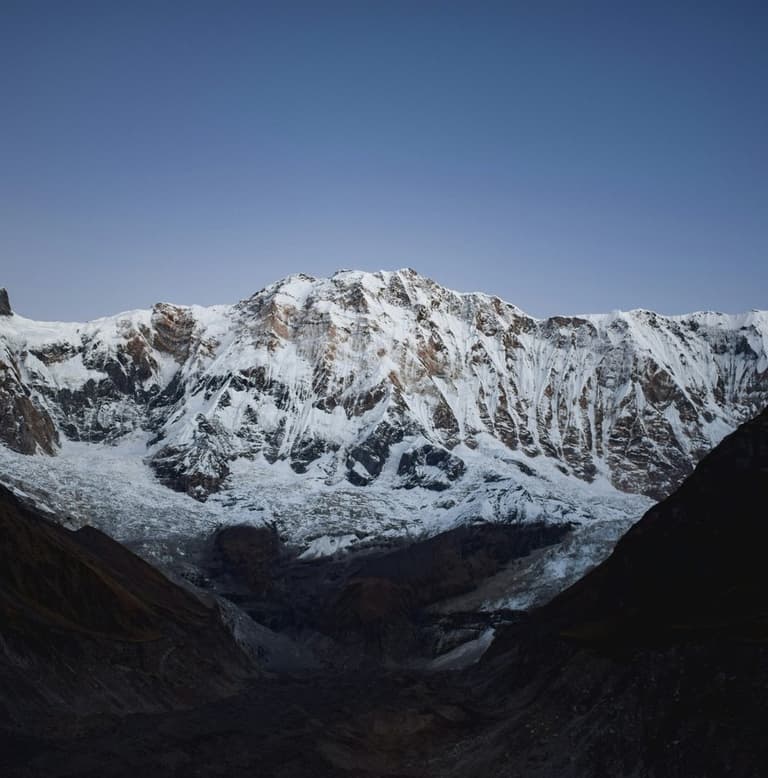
(372, 606)
(654, 664)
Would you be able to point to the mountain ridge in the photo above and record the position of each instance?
(335, 373)
(341, 272)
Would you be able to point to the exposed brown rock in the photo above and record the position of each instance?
(55, 353)
(139, 351)
(173, 327)
(24, 426)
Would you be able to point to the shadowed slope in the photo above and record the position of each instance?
(87, 627)
(693, 567)
(655, 663)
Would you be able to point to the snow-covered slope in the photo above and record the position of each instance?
(109, 486)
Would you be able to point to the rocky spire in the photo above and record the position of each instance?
(5, 303)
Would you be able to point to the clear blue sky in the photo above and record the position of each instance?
(568, 156)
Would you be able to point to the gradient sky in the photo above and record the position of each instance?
(568, 156)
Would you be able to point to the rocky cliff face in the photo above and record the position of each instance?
(350, 375)
(25, 425)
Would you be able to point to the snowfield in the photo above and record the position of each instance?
(110, 487)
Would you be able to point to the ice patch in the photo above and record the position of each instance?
(328, 545)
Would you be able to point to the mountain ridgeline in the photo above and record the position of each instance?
(342, 375)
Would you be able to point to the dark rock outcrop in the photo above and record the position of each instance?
(430, 467)
(198, 469)
(5, 303)
(365, 461)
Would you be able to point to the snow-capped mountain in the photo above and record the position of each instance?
(339, 375)
(369, 406)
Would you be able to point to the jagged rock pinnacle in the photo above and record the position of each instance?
(5, 303)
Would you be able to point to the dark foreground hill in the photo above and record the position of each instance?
(89, 628)
(655, 664)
